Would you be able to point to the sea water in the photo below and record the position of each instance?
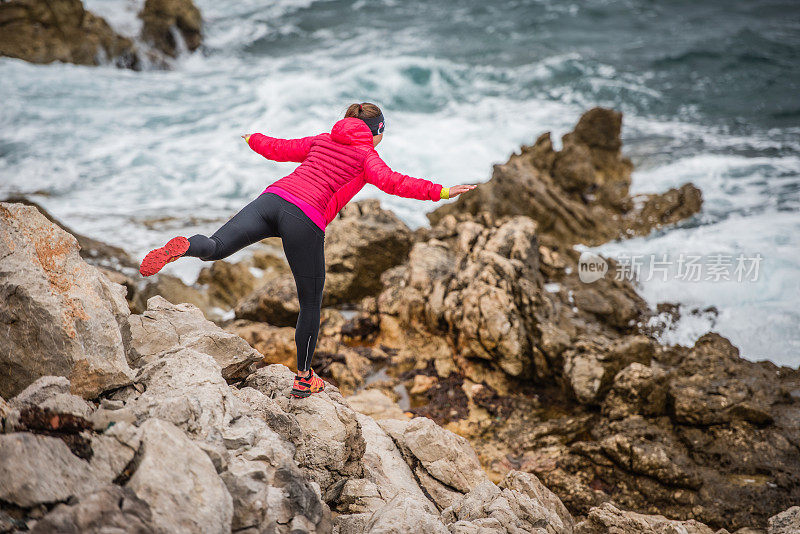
(709, 92)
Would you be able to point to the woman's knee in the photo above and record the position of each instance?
(218, 253)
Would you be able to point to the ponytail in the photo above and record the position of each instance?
(365, 110)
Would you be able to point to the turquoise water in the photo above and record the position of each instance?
(709, 91)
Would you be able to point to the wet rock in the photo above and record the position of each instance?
(608, 518)
(590, 366)
(192, 498)
(66, 314)
(637, 389)
(163, 21)
(42, 31)
(578, 194)
(166, 326)
(785, 522)
(110, 508)
(691, 435)
(41, 470)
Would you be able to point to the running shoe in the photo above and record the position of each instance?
(305, 386)
(156, 259)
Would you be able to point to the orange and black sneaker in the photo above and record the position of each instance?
(156, 259)
(305, 386)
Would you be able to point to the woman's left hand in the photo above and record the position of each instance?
(458, 189)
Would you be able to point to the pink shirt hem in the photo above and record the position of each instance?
(307, 208)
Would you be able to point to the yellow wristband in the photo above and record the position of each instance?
(445, 193)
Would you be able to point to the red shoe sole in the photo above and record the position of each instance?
(156, 259)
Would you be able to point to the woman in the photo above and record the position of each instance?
(334, 167)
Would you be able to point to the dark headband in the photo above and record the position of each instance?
(375, 124)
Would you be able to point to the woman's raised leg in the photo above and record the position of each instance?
(254, 222)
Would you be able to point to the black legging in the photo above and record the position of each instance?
(303, 242)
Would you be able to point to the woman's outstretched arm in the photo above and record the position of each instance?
(379, 174)
(280, 149)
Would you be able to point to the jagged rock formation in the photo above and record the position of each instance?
(43, 31)
(578, 194)
(163, 19)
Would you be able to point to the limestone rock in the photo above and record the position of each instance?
(384, 464)
(276, 344)
(274, 302)
(41, 470)
(227, 282)
(166, 326)
(332, 444)
(52, 393)
(186, 388)
(404, 514)
(608, 518)
(66, 314)
(443, 462)
(110, 508)
(376, 404)
(502, 510)
(192, 498)
(785, 522)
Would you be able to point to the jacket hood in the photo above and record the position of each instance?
(351, 131)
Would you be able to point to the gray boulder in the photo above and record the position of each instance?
(52, 393)
(65, 314)
(179, 482)
(109, 509)
(41, 470)
(166, 326)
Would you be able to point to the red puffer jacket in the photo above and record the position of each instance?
(335, 166)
